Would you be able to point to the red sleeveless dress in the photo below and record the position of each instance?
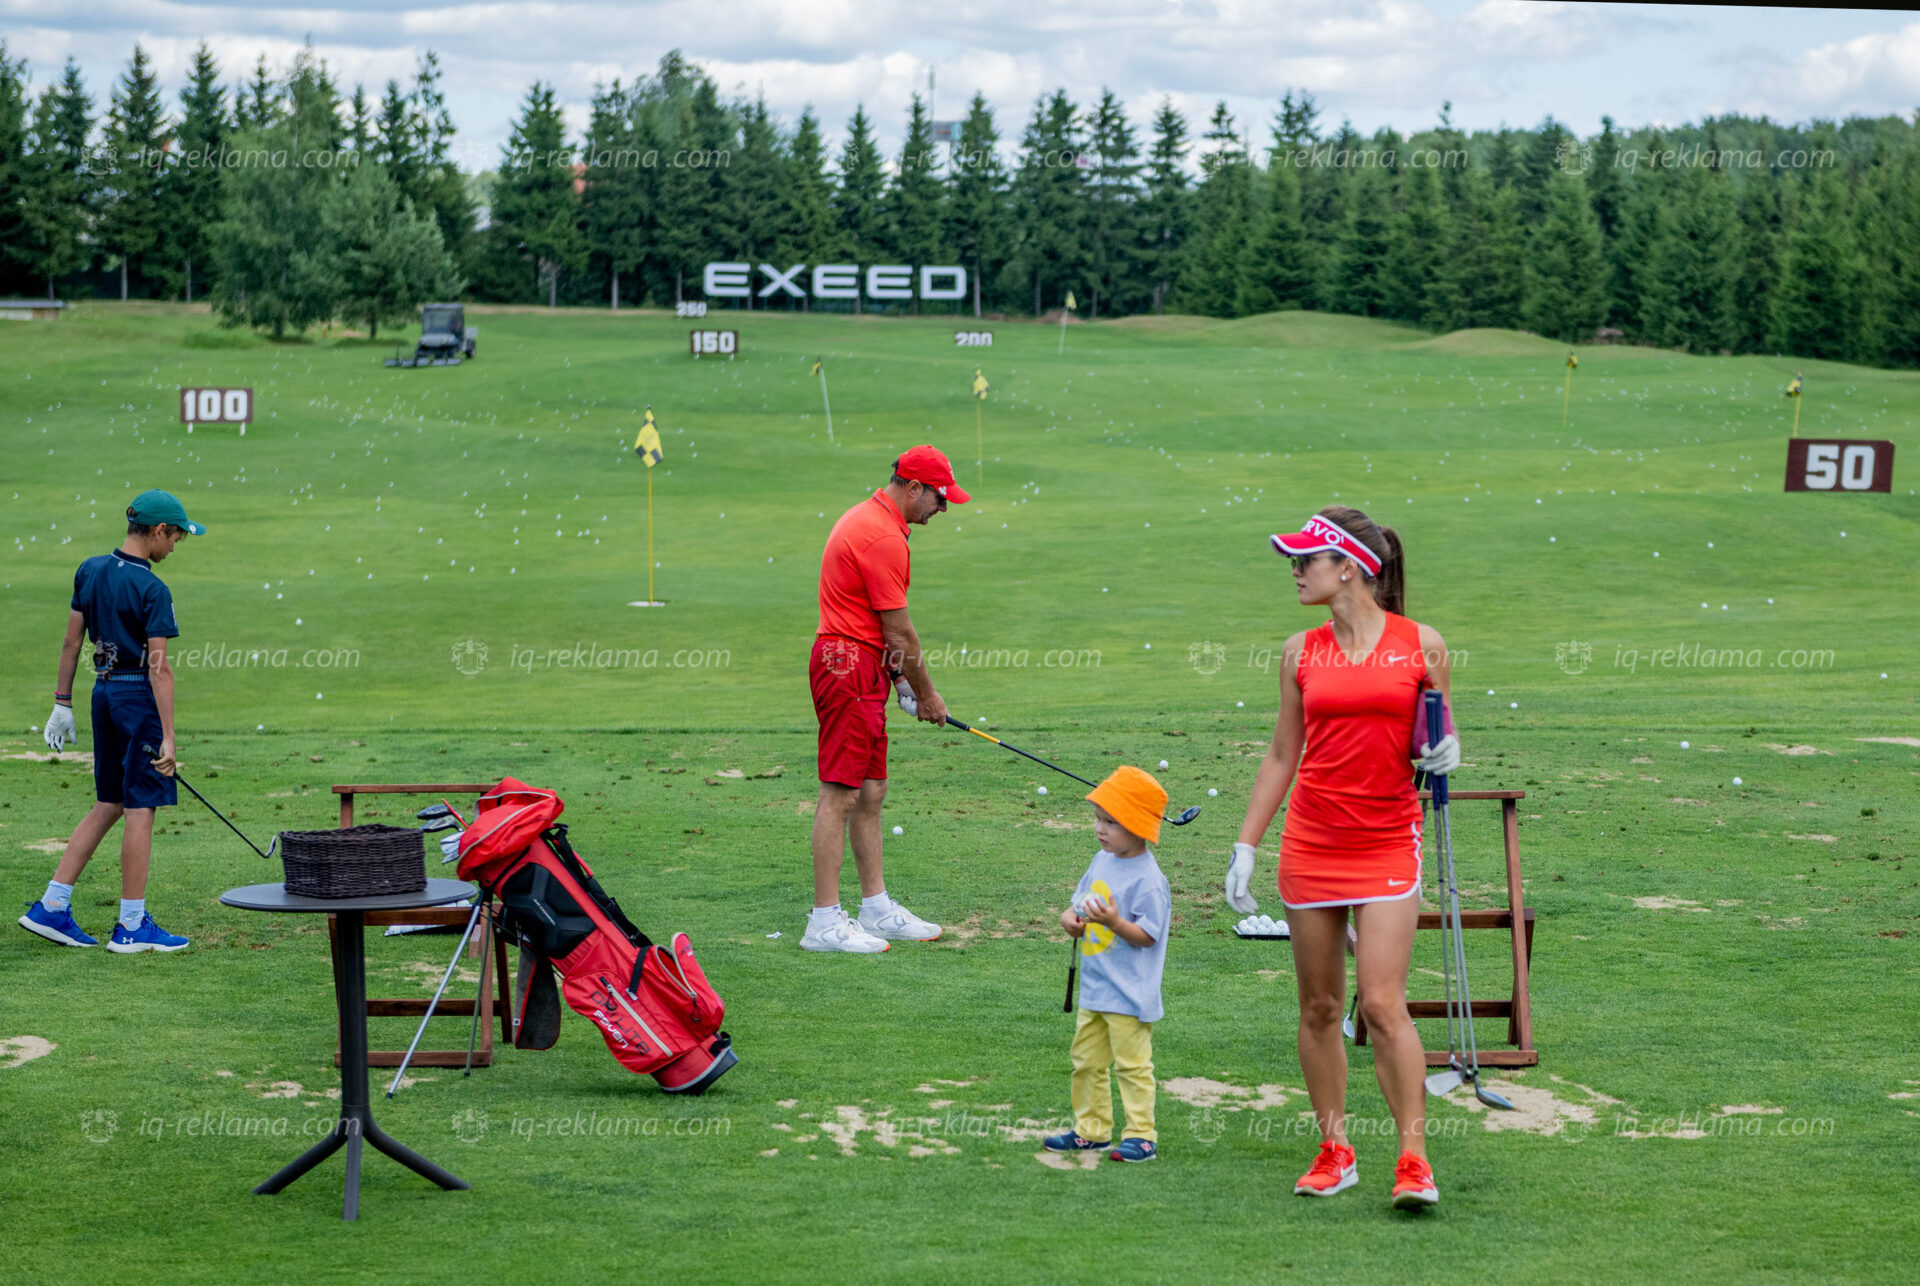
(1353, 823)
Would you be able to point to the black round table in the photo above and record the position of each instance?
(350, 994)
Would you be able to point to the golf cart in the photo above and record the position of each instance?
(445, 338)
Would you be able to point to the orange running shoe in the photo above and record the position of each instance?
(1334, 1170)
(1413, 1186)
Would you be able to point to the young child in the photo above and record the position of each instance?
(121, 605)
(1122, 909)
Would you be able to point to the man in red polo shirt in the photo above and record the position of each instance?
(865, 641)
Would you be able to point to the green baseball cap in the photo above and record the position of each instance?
(151, 508)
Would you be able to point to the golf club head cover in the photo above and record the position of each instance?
(536, 1003)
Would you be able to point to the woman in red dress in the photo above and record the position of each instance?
(1348, 696)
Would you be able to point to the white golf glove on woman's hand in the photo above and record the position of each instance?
(908, 702)
(1239, 877)
(1441, 759)
(60, 728)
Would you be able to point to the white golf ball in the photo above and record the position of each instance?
(1513, 705)
(1686, 745)
(1240, 704)
(899, 830)
(1736, 781)
(1043, 790)
(1211, 792)
(1163, 763)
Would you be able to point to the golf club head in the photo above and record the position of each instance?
(1444, 1082)
(440, 824)
(1347, 1030)
(433, 811)
(1186, 817)
(1488, 1097)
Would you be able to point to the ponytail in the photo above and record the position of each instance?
(1390, 586)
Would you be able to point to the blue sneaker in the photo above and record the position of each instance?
(1069, 1142)
(148, 937)
(1133, 1150)
(57, 926)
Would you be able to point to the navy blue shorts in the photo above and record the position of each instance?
(125, 719)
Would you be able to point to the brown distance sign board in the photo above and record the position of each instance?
(216, 406)
(1839, 464)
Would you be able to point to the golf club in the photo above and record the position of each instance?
(267, 852)
(434, 1003)
(1454, 951)
(1180, 820)
(1073, 965)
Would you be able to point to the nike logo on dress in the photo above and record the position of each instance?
(1392, 657)
(1394, 884)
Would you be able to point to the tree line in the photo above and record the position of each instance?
(1737, 235)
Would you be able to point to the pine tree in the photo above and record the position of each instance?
(1417, 248)
(813, 233)
(360, 122)
(1604, 183)
(191, 202)
(1222, 218)
(16, 178)
(614, 205)
(393, 128)
(1164, 208)
(1359, 286)
(1281, 268)
(257, 103)
(1756, 273)
(1500, 295)
(62, 189)
(1640, 297)
(1549, 151)
(977, 197)
(913, 211)
(535, 212)
(1696, 263)
(1113, 200)
(1898, 244)
(1566, 273)
(133, 185)
(758, 181)
(857, 198)
(1817, 313)
(1049, 203)
(440, 189)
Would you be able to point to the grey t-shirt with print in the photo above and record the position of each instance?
(1117, 977)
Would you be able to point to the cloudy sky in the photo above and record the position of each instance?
(1379, 62)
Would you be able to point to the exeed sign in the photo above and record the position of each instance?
(725, 343)
(1839, 464)
(216, 406)
(835, 281)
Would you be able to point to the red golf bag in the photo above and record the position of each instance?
(651, 1003)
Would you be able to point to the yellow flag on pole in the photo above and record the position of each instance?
(1070, 304)
(979, 383)
(1793, 391)
(647, 445)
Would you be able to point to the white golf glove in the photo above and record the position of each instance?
(1441, 759)
(1239, 877)
(908, 701)
(450, 846)
(60, 728)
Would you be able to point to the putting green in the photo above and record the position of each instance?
(423, 575)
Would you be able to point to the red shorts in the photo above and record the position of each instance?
(1313, 875)
(850, 690)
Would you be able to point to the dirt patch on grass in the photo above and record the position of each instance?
(65, 757)
(46, 846)
(15, 1050)
(1892, 741)
(1201, 1091)
(1824, 839)
(1088, 1160)
(1664, 903)
(1536, 1109)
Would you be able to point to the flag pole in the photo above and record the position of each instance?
(1566, 396)
(979, 444)
(650, 597)
(821, 366)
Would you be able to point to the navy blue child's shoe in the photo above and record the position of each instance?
(1133, 1150)
(148, 937)
(56, 926)
(1069, 1142)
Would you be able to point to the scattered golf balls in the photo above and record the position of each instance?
(1242, 704)
(1043, 790)
(1686, 745)
(1513, 705)
(899, 830)
(1211, 792)
(1736, 781)
(1163, 763)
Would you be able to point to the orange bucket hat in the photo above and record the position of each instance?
(1134, 799)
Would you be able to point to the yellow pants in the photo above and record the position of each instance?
(1125, 1043)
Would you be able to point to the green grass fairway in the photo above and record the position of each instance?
(424, 575)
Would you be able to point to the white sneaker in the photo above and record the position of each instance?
(898, 924)
(842, 935)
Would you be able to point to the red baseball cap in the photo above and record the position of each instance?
(930, 467)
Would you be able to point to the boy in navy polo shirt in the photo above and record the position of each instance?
(122, 606)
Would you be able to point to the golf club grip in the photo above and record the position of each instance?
(1073, 965)
(1436, 720)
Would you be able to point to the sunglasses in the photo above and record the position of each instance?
(1303, 561)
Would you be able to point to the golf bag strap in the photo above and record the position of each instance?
(557, 841)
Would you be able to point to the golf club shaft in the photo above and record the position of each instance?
(210, 808)
(1180, 820)
(1073, 965)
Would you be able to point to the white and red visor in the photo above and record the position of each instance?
(1322, 535)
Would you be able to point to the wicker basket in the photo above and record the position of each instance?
(354, 862)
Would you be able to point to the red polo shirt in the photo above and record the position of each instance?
(864, 570)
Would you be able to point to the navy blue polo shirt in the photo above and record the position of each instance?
(125, 604)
